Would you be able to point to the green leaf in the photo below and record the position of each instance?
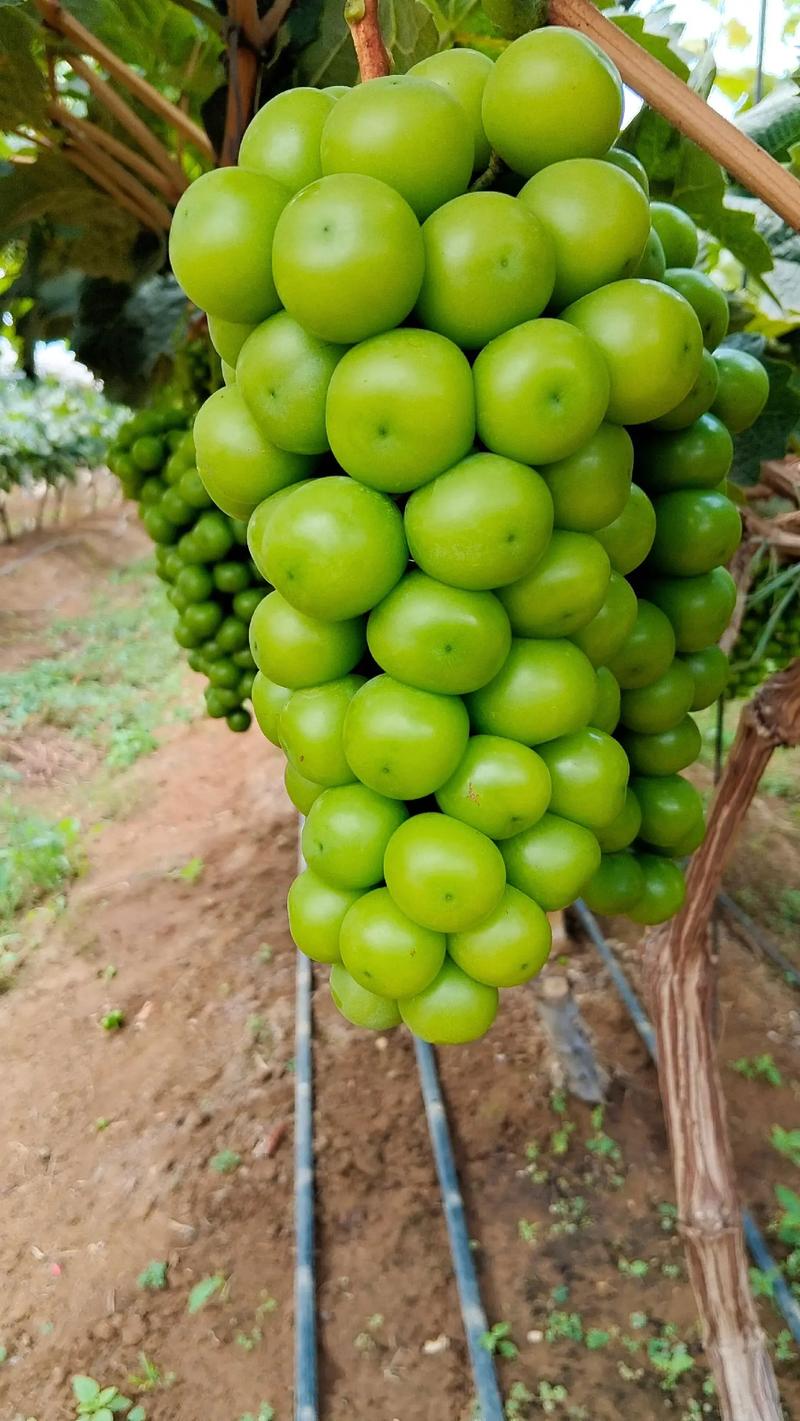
(106, 1395)
(86, 228)
(85, 1388)
(204, 1291)
(515, 17)
(22, 85)
(774, 123)
(409, 32)
(700, 190)
(175, 49)
(659, 43)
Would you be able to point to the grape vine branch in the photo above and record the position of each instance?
(681, 978)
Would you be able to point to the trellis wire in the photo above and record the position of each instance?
(753, 1236)
(475, 1325)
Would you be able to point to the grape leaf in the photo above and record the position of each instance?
(121, 332)
(90, 230)
(22, 88)
(515, 17)
(774, 123)
(409, 32)
(170, 45)
(658, 42)
(682, 173)
(700, 190)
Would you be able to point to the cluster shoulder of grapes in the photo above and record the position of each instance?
(201, 554)
(481, 439)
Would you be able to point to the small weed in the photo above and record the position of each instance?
(258, 1030)
(638, 1320)
(113, 1020)
(671, 1270)
(787, 1226)
(108, 973)
(498, 1341)
(633, 1267)
(225, 1162)
(265, 1413)
(789, 905)
(669, 1217)
(36, 858)
(762, 1284)
(784, 1351)
(601, 1144)
(204, 1291)
(103, 1402)
(190, 872)
(560, 1138)
(248, 1341)
(527, 1230)
(518, 1402)
(538, 1174)
(153, 1278)
(564, 1327)
(758, 1068)
(265, 953)
(550, 1396)
(3, 1355)
(595, 1338)
(101, 1123)
(787, 1143)
(571, 1214)
(670, 1359)
(151, 1377)
(267, 1305)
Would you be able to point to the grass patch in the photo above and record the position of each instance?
(112, 677)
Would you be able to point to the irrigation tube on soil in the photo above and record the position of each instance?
(305, 1303)
(765, 943)
(755, 1239)
(475, 1325)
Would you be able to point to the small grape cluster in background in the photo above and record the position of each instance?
(201, 554)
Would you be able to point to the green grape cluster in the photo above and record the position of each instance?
(769, 634)
(484, 640)
(201, 554)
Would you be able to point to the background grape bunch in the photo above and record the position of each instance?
(201, 554)
(484, 642)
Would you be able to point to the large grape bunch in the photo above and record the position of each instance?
(201, 554)
(769, 635)
(426, 421)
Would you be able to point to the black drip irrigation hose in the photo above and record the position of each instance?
(762, 940)
(490, 1402)
(754, 1238)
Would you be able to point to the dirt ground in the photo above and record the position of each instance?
(119, 1148)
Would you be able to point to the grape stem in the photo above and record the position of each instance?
(489, 176)
(365, 29)
(681, 972)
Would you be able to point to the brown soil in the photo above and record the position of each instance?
(204, 1064)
